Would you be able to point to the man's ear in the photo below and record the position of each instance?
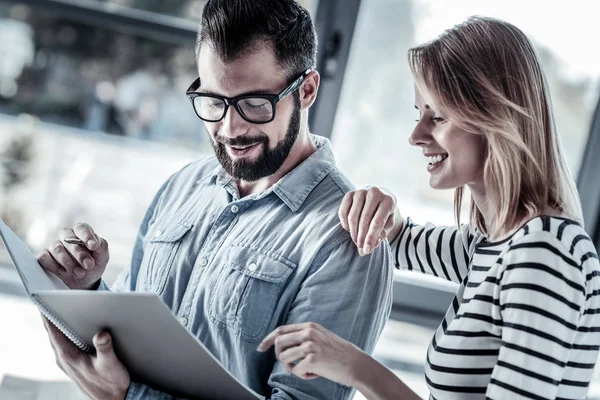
(309, 89)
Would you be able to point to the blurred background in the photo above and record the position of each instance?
(93, 119)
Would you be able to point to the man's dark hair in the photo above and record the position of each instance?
(233, 27)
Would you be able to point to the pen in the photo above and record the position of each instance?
(73, 241)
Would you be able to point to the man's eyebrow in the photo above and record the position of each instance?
(250, 93)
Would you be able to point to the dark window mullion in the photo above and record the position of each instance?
(588, 180)
(335, 21)
(143, 23)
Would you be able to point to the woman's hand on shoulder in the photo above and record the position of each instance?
(370, 216)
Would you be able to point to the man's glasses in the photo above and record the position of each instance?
(254, 108)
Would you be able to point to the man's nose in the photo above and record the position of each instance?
(233, 125)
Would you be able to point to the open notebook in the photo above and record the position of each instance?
(148, 339)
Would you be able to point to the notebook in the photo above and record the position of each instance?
(152, 344)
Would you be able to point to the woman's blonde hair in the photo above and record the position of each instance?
(484, 75)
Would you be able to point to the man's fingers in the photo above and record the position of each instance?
(64, 258)
(48, 262)
(345, 209)
(100, 255)
(106, 358)
(62, 346)
(81, 254)
(86, 233)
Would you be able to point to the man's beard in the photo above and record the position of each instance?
(269, 160)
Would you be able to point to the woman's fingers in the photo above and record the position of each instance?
(358, 203)
(381, 225)
(345, 209)
(269, 340)
(305, 367)
(366, 216)
(291, 340)
(293, 355)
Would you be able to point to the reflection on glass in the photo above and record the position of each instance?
(189, 9)
(86, 77)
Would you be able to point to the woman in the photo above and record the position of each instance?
(525, 321)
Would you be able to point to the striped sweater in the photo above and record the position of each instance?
(525, 322)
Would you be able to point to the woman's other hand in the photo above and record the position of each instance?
(309, 351)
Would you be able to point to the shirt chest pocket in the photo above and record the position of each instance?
(247, 291)
(161, 244)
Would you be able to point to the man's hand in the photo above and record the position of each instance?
(100, 377)
(79, 267)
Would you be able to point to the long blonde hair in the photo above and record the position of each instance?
(485, 76)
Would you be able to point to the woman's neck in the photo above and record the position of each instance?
(487, 209)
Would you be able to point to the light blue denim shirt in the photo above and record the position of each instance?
(232, 270)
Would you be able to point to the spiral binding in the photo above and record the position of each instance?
(62, 327)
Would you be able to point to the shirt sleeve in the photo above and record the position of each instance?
(139, 391)
(437, 250)
(356, 309)
(541, 296)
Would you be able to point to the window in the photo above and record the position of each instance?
(96, 80)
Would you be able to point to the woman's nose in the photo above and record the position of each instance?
(420, 135)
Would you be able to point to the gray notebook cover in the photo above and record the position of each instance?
(148, 339)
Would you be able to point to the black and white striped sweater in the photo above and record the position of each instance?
(525, 322)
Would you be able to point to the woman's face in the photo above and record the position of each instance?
(454, 157)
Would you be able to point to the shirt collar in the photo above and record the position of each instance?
(293, 188)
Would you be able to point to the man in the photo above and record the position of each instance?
(249, 240)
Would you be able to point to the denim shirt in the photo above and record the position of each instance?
(233, 269)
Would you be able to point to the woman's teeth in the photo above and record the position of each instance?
(432, 160)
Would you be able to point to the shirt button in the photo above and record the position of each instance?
(183, 321)
(203, 262)
(158, 233)
(252, 267)
(235, 209)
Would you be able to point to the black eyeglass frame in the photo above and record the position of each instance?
(191, 93)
